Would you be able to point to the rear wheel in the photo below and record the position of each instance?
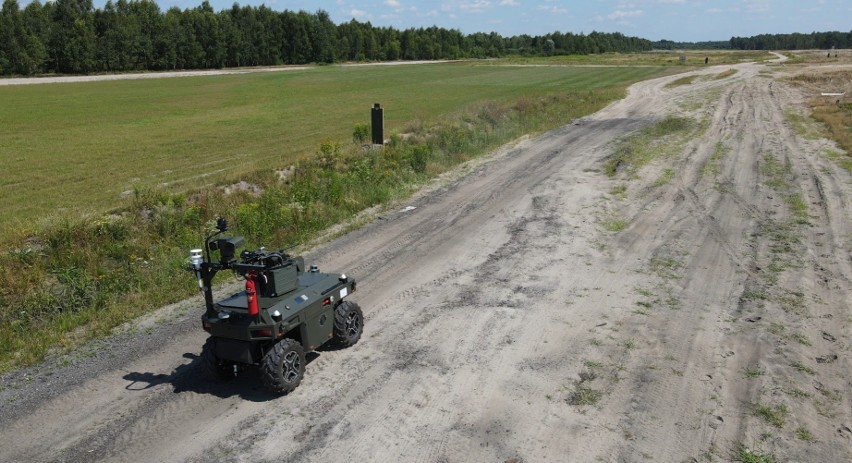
(215, 366)
(283, 366)
(348, 324)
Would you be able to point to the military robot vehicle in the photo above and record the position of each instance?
(284, 312)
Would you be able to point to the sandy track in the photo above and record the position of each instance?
(497, 303)
(172, 74)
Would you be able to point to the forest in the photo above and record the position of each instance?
(796, 41)
(73, 37)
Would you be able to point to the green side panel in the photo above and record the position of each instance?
(318, 328)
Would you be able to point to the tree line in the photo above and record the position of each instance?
(796, 41)
(710, 45)
(72, 37)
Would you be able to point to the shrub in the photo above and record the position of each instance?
(361, 133)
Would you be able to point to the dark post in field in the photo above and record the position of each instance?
(378, 124)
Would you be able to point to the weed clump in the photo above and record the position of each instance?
(776, 415)
(583, 393)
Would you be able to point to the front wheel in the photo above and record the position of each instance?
(348, 324)
(283, 366)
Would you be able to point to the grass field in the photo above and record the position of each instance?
(653, 58)
(72, 150)
(81, 147)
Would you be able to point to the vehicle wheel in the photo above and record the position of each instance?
(283, 366)
(348, 324)
(215, 366)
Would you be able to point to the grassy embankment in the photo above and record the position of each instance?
(833, 112)
(79, 256)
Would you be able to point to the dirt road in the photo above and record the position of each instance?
(505, 322)
(172, 74)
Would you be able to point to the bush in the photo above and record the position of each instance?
(361, 133)
(419, 158)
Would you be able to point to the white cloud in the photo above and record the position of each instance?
(509, 2)
(393, 3)
(476, 6)
(757, 6)
(552, 9)
(356, 13)
(618, 14)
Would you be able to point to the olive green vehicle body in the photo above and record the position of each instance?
(284, 311)
(306, 315)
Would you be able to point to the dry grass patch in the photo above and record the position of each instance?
(682, 81)
(834, 112)
(726, 74)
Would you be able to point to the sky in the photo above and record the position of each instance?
(677, 20)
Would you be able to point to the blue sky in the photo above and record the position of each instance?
(678, 20)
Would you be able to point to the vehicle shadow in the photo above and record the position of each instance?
(192, 377)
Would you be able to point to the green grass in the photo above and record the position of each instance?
(753, 372)
(665, 177)
(779, 177)
(583, 394)
(619, 191)
(793, 301)
(73, 276)
(653, 58)
(799, 366)
(592, 364)
(746, 455)
(713, 165)
(803, 125)
(842, 159)
(82, 146)
(614, 223)
(804, 434)
(666, 267)
(776, 415)
(798, 393)
(781, 330)
(798, 207)
(663, 140)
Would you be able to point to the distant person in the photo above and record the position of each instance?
(829, 55)
(706, 59)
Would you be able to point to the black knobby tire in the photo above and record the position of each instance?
(283, 366)
(348, 324)
(215, 366)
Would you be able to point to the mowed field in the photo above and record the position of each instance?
(82, 147)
